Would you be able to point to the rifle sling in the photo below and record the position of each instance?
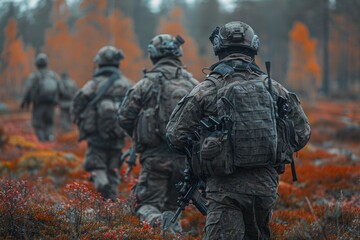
(115, 75)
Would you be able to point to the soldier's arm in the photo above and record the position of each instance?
(131, 106)
(186, 117)
(302, 126)
(29, 84)
(81, 99)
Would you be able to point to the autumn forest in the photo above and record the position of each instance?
(314, 47)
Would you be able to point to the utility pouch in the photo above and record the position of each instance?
(107, 127)
(87, 124)
(147, 130)
(213, 155)
(284, 149)
(217, 156)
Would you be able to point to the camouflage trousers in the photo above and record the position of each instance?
(103, 165)
(42, 120)
(155, 190)
(234, 216)
(65, 119)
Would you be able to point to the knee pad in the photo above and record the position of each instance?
(100, 179)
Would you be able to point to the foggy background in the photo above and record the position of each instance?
(314, 46)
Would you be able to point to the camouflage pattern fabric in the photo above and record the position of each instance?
(226, 193)
(156, 182)
(143, 96)
(42, 119)
(43, 113)
(103, 154)
(68, 88)
(161, 168)
(80, 103)
(103, 165)
(65, 119)
(155, 190)
(238, 216)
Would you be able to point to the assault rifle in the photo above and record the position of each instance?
(189, 191)
(131, 153)
(283, 110)
(213, 123)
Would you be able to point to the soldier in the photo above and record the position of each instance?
(144, 115)
(68, 89)
(42, 91)
(94, 111)
(238, 151)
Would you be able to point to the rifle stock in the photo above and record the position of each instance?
(131, 154)
(189, 190)
(131, 162)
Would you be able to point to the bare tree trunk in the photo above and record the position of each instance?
(326, 84)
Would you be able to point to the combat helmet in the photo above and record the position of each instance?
(234, 35)
(165, 45)
(41, 60)
(108, 56)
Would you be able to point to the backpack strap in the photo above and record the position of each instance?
(157, 78)
(115, 75)
(223, 69)
(220, 72)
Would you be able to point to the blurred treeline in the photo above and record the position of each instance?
(293, 35)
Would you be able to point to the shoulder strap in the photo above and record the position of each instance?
(214, 78)
(115, 75)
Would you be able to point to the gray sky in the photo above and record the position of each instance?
(154, 4)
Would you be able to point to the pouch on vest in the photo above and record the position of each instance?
(107, 126)
(250, 140)
(146, 130)
(87, 124)
(212, 154)
(166, 93)
(67, 89)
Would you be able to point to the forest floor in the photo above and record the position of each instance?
(45, 193)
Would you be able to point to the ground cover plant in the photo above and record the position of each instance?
(45, 193)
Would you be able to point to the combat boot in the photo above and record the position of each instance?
(167, 227)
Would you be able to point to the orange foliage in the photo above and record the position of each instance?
(64, 196)
(20, 141)
(17, 59)
(172, 24)
(59, 41)
(74, 51)
(304, 73)
(123, 37)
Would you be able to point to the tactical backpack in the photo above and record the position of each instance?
(47, 88)
(151, 124)
(99, 115)
(249, 130)
(67, 89)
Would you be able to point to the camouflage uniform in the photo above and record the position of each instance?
(68, 89)
(43, 112)
(106, 139)
(240, 205)
(248, 195)
(161, 168)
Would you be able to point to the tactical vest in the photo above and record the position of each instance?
(164, 96)
(67, 89)
(248, 130)
(46, 89)
(99, 117)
